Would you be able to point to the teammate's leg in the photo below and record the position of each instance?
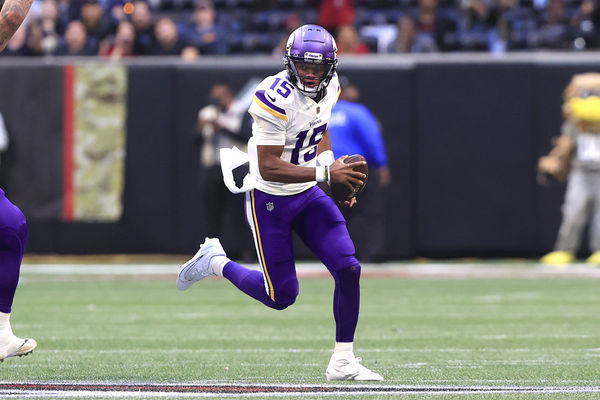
(13, 238)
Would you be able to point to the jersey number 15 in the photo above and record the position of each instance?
(313, 140)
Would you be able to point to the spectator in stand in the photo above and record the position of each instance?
(35, 38)
(336, 13)
(586, 25)
(168, 42)
(476, 25)
(52, 26)
(553, 33)
(408, 41)
(497, 26)
(202, 31)
(441, 29)
(142, 21)
(510, 26)
(75, 42)
(348, 41)
(97, 25)
(121, 45)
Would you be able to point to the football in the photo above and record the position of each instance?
(341, 192)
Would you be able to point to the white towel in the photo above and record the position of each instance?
(230, 160)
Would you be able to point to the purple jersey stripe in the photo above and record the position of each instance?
(260, 94)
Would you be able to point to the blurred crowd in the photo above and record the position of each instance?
(193, 28)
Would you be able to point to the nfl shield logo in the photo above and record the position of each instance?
(318, 109)
(270, 206)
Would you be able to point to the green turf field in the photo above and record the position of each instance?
(415, 332)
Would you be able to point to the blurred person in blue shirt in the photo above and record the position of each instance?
(353, 129)
(202, 30)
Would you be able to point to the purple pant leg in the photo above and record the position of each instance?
(323, 228)
(320, 224)
(13, 238)
(270, 220)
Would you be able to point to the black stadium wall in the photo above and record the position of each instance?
(463, 136)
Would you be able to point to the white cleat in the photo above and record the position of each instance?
(349, 369)
(198, 267)
(16, 347)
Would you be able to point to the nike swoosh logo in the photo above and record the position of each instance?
(271, 98)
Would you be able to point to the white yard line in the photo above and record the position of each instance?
(275, 350)
(431, 270)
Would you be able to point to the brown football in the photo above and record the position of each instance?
(341, 192)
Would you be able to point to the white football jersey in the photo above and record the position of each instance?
(284, 116)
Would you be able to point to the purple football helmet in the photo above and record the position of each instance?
(310, 58)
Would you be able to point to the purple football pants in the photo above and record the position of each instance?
(13, 237)
(320, 224)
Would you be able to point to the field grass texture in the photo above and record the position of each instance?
(415, 332)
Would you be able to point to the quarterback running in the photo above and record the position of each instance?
(290, 152)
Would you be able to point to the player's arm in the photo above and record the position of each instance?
(323, 147)
(12, 14)
(273, 168)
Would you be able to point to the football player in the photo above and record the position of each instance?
(289, 153)
(13, 227)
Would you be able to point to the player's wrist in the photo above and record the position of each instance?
(322, 173)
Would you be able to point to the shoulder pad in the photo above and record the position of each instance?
(267, 101)
(274, 96)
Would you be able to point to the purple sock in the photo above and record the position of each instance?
(346, 302)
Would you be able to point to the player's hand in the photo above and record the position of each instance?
(344, 173)
(349, 203)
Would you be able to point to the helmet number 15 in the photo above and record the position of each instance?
(314, 139)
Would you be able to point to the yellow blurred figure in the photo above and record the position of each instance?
(558, 258)
(594, 259)
(575, 158)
